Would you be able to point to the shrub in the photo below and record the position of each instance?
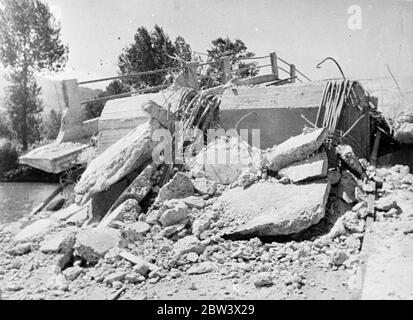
(8, 156)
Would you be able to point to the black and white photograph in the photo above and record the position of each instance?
(206, 151)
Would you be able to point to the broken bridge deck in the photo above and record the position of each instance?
(54, 158)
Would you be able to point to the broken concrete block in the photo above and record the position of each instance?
(135, 231)
(139, 227)
(118, 214)
(385, 204)
(338, 257)
(189, 244)
(93, 243)
(116, 276)
(179, 187)
(174, 215)
(20, 249)
(194, 202)
(346, 153)
(272, 209)
(338, 229)
(203, 267)
(391, 213)
(73, 273)
(247, 178)
(36, 229)
(263, 279)
(360, 195)
(140, 265)
(153, 216)
(204, 186)
(192, 257)
(134, 277)
(60, 242)
(139, 188)
(171, 230)
(310, 169)
(200, 225)
(58, 282)
(225, 159)
(295, 149)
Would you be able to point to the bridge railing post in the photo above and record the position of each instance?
(274, 64)
(293, 73)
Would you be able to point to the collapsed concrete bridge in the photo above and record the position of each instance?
(279, 108)
(308, 189)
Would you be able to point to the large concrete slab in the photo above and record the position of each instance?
(271, 209)
(283, 111)
(275, 111)
(93, 243)
(310, 169)
(36, 229)
(295, 149)
(120, 116)
(120, 159)
(55, 157)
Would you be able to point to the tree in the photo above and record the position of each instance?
(151, 51)
(233, 49)
(24, 107)
(183, 49)
(29, 42)
(51, 126)
(94, 109)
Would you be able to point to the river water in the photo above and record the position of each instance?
(18, 199)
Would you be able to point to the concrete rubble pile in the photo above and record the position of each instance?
(225, 219)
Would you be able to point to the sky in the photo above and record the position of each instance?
(303, 32)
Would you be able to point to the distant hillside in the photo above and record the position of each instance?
(51, 94)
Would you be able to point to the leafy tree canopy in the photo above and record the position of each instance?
(233, 49)
(29, 42)
(30, 37)
(152, 50)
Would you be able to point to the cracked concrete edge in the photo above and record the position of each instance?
(364, 255)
